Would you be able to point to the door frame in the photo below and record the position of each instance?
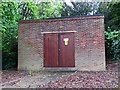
(59, 37)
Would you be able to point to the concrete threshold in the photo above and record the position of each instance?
(60, 69)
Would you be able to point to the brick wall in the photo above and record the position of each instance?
(89, 41)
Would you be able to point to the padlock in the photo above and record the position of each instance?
(66, 41)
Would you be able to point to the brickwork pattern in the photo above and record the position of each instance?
(89, 41)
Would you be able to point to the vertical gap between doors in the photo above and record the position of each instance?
(58, 49)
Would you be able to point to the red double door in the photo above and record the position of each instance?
(59, 50)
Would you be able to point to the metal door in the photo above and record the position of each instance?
(59, 50)
(67, 58)
(50, 50)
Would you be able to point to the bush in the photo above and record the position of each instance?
(9, 34)
(112, 40)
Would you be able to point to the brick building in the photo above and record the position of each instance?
(88, 41)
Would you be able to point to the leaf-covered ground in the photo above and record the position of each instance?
(79, 79)
(85, 80)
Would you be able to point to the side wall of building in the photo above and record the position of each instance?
(89, 41)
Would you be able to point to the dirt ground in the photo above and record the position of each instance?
(77, 79)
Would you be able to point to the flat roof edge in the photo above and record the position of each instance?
(61, 19)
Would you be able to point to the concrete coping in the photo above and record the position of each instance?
(58, 32)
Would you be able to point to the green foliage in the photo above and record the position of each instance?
(49, 9)
(113, 31)
(103, 8)
(112, 44)
(114, 15)
(77, 9)
(9, 34)
(0, 28)
(28, 10)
